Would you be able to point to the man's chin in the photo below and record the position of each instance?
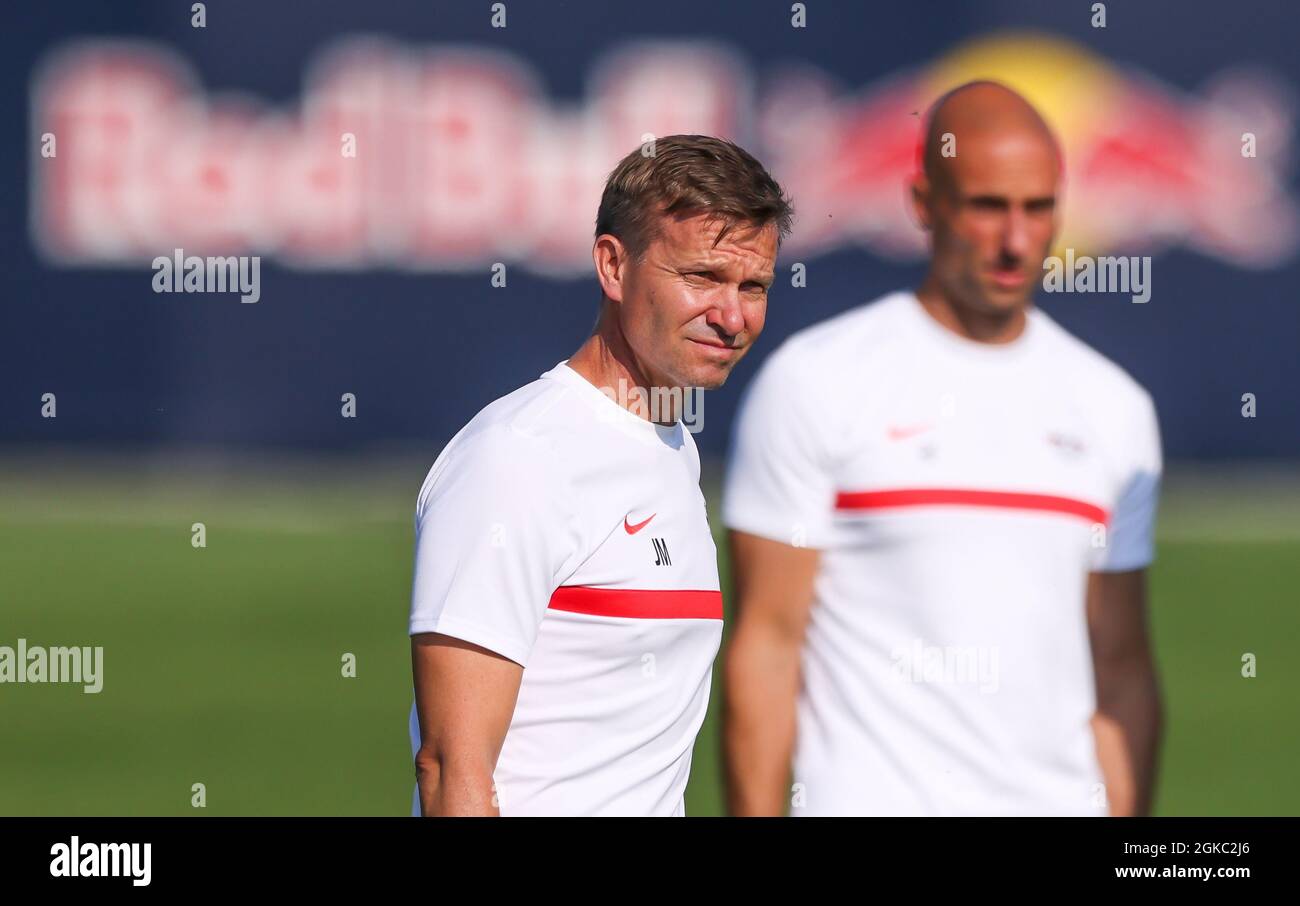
(996, 300)
(711, 375)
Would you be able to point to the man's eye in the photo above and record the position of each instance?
(754, 288)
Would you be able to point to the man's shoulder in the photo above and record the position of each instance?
(535, 413)
(841, 338)
(1089, 369)
(514, 437)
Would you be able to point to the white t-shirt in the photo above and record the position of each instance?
(959, 494)
(569, 535)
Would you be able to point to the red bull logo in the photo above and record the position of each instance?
(452, 158)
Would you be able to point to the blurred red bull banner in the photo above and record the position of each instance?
(451, 158)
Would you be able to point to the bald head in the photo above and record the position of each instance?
(987, 197)
(976, 114)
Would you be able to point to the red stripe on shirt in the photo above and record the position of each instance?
(665, 604)
(1045, 503)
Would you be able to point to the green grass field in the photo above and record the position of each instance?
(222, 665)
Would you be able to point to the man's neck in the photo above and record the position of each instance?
(606, 361)
(982, 327)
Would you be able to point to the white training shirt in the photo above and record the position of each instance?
(567, 534)
(959, 494)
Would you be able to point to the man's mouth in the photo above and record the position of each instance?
(722, 349)
(1008, 277)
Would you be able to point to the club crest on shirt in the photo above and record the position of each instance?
(1068, 445)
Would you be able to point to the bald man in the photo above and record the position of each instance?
(941, 509)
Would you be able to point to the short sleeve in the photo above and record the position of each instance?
(778, 483)
(494, 532)
(1130, 533)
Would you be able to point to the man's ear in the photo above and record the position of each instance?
(919, 192)
(610, 257)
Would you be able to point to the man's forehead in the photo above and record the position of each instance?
(1006, 159)
(706, 235)
(1006, 170)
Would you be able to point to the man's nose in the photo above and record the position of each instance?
(1015, 238)
(726, 314)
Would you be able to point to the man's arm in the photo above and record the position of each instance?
(774, 586)
(464, 696)
(1127, 724)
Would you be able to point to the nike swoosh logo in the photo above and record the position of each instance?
(903, 433)
(633, 529)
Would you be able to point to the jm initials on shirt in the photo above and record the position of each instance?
(661, 552)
